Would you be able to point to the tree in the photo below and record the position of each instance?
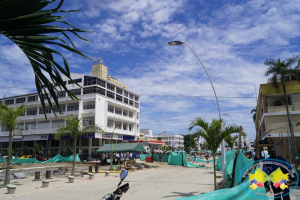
(24, 151)
(254, 115)
(213, 135)
(159, 138)
(282, 69)
(9, 120)
(189, 142)
(31, 28)
(38, 149)
(74, 129)
(230, 140)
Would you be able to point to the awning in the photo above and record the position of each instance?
(122, 147)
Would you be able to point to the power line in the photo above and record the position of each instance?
(164, 95)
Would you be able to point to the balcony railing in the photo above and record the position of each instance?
(272, 109)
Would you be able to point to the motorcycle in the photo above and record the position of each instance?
(116, 195)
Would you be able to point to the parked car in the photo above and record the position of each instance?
(26, 156)
(3, 157)
(40, 158)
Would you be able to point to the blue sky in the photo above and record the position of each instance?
(232, 38)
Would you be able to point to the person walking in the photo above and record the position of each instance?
(265, 153)
(207, 156)
(195, 157)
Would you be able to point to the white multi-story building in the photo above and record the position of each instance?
(102, 100)
(173, 140)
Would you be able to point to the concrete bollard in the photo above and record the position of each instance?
(133, 169)
(48, 174)
(91, 176)
(45, 183)
(96, 168)
(107, 173)
(91, 169)
(71, 179)
(11, 189)
(37, 176)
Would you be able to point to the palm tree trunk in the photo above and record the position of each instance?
(215, 176)
(290, 124)
(74, 154)
(7, 172)
(111, 153)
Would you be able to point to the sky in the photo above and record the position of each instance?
(232, 38)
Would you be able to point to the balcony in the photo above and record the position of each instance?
(272, 109)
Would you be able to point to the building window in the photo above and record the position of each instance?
(32, 98)
(101, 91)
(125, 126)
(130, 114)
(88, 121)
(110, 87)
(44, 125)
(137, 115)
(61, 94)
(126, 100)
(130, 127)
(76, 91)
(119, 90)
(119, 97)
(101, 82)
(20, 100)
(137, 98)
(47, 110)
(130, 96)
(118, 125)
(9, 101)
(30, 125)
(79, 80)
(130, 102)
(90, 105)
(245, 144)
(110, 94)
(72, 107)
(62, 109)
(125, 113)
(136, 104)
(110, 109)
(235, 144)
(31, 111)
(118, 111)
(58, 123)
(125, 94)
(110, 123)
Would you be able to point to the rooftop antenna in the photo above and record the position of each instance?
(97, 60)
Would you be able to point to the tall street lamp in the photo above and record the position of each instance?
(229, 117)
(172, 43)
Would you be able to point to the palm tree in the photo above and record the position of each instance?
(230, 140)
(282, 69)
(33, 27)
(9, 120)
(254, 115)
(213, 135)
(74, 129)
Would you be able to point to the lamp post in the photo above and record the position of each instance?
(172, 43)
(230, 118)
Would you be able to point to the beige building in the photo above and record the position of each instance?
(271, 116)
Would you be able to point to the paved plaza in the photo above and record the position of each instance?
(164, 182)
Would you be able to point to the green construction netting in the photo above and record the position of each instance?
(57, 158)
(219, 160)
(164, 157)
(201, 160)
(179, 158)
(239, 192)
(121, 147)
(143, 156)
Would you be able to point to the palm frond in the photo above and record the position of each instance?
(28, 24)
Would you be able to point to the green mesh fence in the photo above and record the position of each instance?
(239, 192)
(57, 158)
(219, 160)
(201, 160)
(143, 156)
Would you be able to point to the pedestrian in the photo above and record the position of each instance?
(253, 155)
(118, 156)
(265, 153)
(207, 156)
(195, 157)
(130, 156)
(220, 153)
